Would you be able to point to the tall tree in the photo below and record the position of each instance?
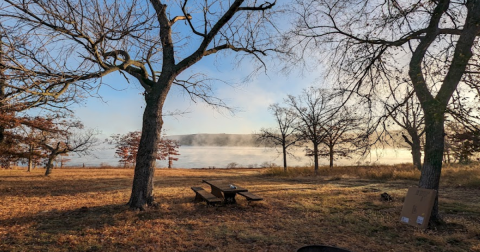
(143, 41)
(285, 134)
(372, 42)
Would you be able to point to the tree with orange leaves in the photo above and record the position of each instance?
(126, 148)
(168, 149)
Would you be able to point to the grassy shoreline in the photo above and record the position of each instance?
(84, 210)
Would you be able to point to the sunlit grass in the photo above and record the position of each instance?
(459, 175)
(84, 210)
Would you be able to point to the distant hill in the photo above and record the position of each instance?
(249, 140)
(215, 139)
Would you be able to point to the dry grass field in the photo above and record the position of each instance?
(84, 210)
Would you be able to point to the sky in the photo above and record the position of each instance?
(120, 111)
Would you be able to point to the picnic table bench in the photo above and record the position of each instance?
(202, 195)
(250, 196)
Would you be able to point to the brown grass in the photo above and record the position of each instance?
(84, 210)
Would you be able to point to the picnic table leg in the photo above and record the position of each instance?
(198, 198)
(217, 192)
(230, 198)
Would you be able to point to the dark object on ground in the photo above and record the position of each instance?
(320, 248)
(201, 194)
(385, 197)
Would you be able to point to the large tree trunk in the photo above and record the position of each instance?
(142, 189)
(50, 164)
(432, 166)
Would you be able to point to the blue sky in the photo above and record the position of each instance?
(121, 111)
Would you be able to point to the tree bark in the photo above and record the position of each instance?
(417, 156)
(331, 155)
(50, 164)
(142, 189)
(315, 157)
(415, 146)
(432, 164)
(2, 93)
(30, 158)
(30, 164)
(284, 148)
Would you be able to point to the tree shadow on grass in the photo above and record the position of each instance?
(62, 187)
(56, 221)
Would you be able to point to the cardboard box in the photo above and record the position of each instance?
(417, 207)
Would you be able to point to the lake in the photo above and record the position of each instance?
(220, 157)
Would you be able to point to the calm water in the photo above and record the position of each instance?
(220, 157)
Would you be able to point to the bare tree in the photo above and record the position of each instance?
(285, 134)
(370, 43)
(142, 41)
(19, 93)
(344, 133)
(67, 138)
(313, 110)
(408, 114)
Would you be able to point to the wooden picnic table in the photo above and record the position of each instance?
(225, 190)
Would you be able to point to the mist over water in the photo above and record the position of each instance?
(221, 156)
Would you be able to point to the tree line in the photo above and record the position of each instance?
(316, 118)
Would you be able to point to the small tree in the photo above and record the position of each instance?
(462, 142)
(285, 134)
(313, 110)
(22, 137)
(62, 159)
(408, 114)
(126, 148)
(66, 139)
(343, 133)
(167, 150)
